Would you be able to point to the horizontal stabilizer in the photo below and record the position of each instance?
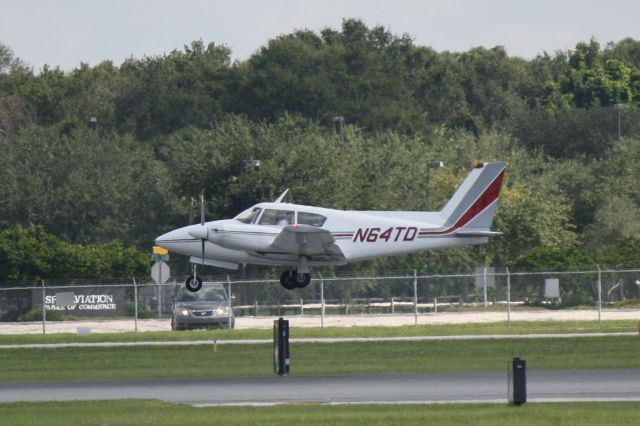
(476, 233)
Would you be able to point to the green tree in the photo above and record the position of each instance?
(29, 254)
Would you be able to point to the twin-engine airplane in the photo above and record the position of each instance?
(299, 237)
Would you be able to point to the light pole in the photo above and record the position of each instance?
(619, 108)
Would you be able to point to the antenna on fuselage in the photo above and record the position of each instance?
(279, 199)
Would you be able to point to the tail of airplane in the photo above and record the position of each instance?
(471, 210)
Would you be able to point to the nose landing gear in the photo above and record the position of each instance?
(193, 282)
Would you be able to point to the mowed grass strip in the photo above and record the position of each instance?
(517, 327)
(124, 363)
(142, 412)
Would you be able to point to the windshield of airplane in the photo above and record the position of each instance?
(204, 295)
(249, 216)
(277, 217)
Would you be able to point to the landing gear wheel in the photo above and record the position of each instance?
(302, 280)
(287, 280)
(193, 284)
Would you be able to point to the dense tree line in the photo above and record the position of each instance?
(117, 153)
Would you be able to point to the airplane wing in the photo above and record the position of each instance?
(306, 240)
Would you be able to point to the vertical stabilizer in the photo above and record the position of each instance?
(473, 205)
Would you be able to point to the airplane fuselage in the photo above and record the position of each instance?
(359, 235)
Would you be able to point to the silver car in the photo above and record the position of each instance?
(208, 307)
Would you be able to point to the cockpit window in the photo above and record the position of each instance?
(249, 216)
(312, 219)
(277, 217)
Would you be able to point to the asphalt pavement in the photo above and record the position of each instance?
(561, 385)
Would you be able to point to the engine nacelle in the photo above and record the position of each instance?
(242, 237)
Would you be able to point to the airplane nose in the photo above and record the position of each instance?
(172, 240)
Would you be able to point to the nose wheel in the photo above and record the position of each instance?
(291, 279)
(193, 282)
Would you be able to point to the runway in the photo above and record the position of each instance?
(567, 385)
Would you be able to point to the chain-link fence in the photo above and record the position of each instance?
(405, 293)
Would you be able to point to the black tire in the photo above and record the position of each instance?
(302, 280)
(192, 284)
(287, 280)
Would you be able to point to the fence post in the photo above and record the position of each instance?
(508, 298)
(230, 310)
(321, 301)
(484, 292)
(44, 310)
(599, 294)
(435, 305)
(159, 299)
(301, 307)
(415, 297)
(135, 305)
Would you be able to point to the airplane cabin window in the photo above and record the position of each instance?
(277, 217)
(249, 216)
(312, 219)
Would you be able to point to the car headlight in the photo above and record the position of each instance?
(184, 312)
(222, 311)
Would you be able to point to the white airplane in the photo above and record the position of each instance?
(299, 237)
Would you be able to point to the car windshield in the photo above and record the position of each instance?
(204, 295)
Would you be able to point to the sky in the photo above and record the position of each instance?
(66, 33)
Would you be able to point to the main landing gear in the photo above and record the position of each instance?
(193, 282)
(291, 279)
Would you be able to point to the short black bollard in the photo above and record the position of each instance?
(281, 347)
(517, 387)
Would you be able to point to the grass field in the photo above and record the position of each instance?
(316, 359)
(518, 327)
(132, 412)
(309, 359)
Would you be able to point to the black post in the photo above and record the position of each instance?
(518, 381)
(281, 347)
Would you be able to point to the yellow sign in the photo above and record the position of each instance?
(160, 250)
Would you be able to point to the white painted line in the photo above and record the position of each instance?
(313, 340)
(427, 402)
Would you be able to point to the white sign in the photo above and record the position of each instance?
(552, 288)
(64, 299)
(90, 302)
(160, 272)
(488, 277)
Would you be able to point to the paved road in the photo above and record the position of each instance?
(385, 320)
(577, 385)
